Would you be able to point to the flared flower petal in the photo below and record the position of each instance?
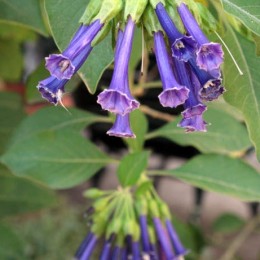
(173, 93)
(121, 127)
(210, 56)
(52, 89)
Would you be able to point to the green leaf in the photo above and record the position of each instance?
(228, 223)
(243, 92)
(221, 136)
(139, 126)
(19, 195)
(51, 119)
(23, 12)
(64, 21)
(221, 174)
(131, 168)
(59, 158)
(33, 94)
(11, 246)
(257, 44)
(11, 62)
(246, 11)
(11, 115)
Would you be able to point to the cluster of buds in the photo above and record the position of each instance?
(129, 225)
(190, 72)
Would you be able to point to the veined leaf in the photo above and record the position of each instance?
(246, 11)
(222, 174)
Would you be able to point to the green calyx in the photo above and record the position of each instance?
(108, 10)
(102, 34)
(135, 9)
(150, 21)
(154, 3)
(91, 11)
(93, 193)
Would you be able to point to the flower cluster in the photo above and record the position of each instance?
(129, 226)
(190, 72)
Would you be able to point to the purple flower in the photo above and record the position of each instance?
(65, 65)
(144, 234)
(209, 55)
(194, 109)
(121, 127)
(117, 98)
(211, 87)
(178, 247)
(173, 94)
(52, 89)
(183, 47)
(86, 248)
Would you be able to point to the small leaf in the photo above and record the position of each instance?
(228, 223)
(246, 11)
(64, 21)
(59, 158)
(11, 115)
(139, 126)
(221, 174)
(19, 195)
(243, 92)
(11, 246)
(131, 168)
(222, 135)
(23, 12)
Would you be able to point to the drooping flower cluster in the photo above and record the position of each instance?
(190, 72)
(125, 225)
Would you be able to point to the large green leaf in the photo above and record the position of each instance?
(59, 158)
(131, 168)
(64, 21)
(243, 92)
(11, 246)
(11, 62)
(53, 118)
(19, 195)
(246, 11)
(221, 174)
(11, 114)
(24, 12)
(222, 135)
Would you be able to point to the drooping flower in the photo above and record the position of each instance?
(173, 93)
(183, 46)
(121, 127)
(210, 54)
(65, 65)
(117, 98)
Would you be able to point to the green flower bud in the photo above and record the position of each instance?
(156, 2)
(108, 10)
(93, 193)
(101, 204)
(91, 11)
(153, 208)
(150, 21)
(135, 9)
(114, 227)
(165, 210)
(141, 206)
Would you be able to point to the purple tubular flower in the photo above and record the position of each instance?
(83, 246)
(178, 247)
(88, 248)
(116, 253)
(211, 87)
(52, 89)
(135, 251)
(144, 233)
(209, 55)
(64, 66)
(192, 115)
(117, 98)
(163, 239)
(121, 127)
(183, 47)
(106, 250)
(173, 94)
